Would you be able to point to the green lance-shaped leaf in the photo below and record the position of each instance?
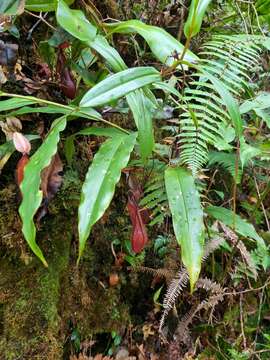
(118, 85)
(196, 13)
(31, 194)
(142, 109)
(163, 45)
(100, 181)
(43, 5)
(187, 216)
(235, 222)
(11, 104)
(110, 54)
(75, 22)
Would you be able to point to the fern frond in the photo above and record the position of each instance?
(230, 59)
(174, 290)
(181, 280)
(246, 255)
(161, 272)
(155, 198)
(216, 295)
(227, 161)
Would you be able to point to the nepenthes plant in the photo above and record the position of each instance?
(205, 92)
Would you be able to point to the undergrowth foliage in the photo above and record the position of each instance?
(209, 127)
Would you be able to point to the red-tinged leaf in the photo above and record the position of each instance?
(51, 180)
(132, 207)
(67, 82)
(20, 168)
(139, 236)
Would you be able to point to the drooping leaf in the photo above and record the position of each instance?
(235, 222)
(119, 85)
(102, 176)
(163, 45)
(43, 5)
(187, 216)
(31, 194)
(75, 22)
(196, 13)
(142, 112)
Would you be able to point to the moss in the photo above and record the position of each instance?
(40, 306)
(29, 294)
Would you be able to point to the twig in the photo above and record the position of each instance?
(40, 17)
(261, 202)
(248, 290)
(242, 322)
(259, 319)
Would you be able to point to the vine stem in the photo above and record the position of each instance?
(67, 107)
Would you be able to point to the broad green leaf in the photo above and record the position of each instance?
(163, 45)
(196, 13)
(110, 55)
(234, 221)
(43, 5)
(142, 111)
(31, 194)
(102, 176)
(118, 85)
(229, 101)
(187, 216)
(75, 22)
(12, 7)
